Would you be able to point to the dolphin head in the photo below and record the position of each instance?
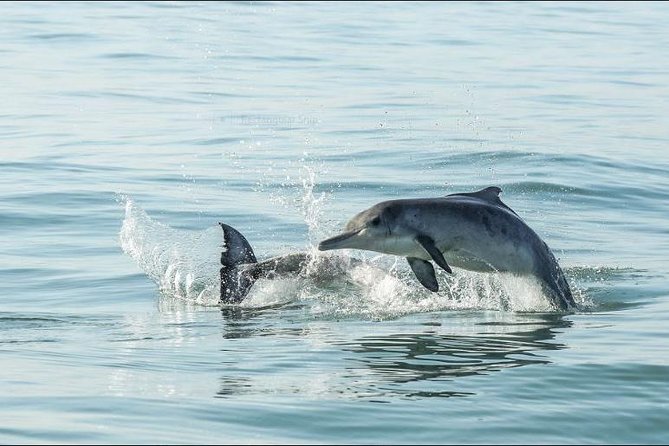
(370, 230)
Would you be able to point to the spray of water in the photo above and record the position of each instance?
(312, 205)
(184, 264)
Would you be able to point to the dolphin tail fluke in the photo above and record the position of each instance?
(557, 288)
(237, 277)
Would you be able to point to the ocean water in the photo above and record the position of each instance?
(128, 130)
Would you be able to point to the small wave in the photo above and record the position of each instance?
(136, 56)
(64, 37)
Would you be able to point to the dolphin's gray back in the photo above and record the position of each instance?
(281, 266)
(547, 269)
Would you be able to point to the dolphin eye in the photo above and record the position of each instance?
(375, 221)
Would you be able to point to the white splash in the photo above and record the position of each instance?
(184, 264)
(312, 205)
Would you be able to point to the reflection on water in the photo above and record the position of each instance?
(404, 358)
(420, 365)
(252, 322)
(376, 367)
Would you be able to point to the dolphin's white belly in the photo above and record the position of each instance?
(402, 246)
(478, 253)
(465, 260)
(486, 254)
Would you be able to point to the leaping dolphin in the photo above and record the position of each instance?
(473, 231)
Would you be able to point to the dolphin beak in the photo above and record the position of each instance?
(340, 241)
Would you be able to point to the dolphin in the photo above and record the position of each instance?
(475, 231)
(240, 268)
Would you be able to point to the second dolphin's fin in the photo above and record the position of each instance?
(428, 245)
(236, 279)
(424, 272)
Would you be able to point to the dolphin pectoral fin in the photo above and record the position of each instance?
(428, 245)
(424, 272)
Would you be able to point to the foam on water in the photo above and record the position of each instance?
(381, 295)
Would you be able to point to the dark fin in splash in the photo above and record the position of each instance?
(428, 245)
(424, 272)
(489, 194)
(237, 277)
(237, 248)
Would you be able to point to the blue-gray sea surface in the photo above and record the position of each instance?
(130, 125)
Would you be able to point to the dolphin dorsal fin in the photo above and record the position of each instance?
(489, 194)
(236, 281)
(237, 248)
